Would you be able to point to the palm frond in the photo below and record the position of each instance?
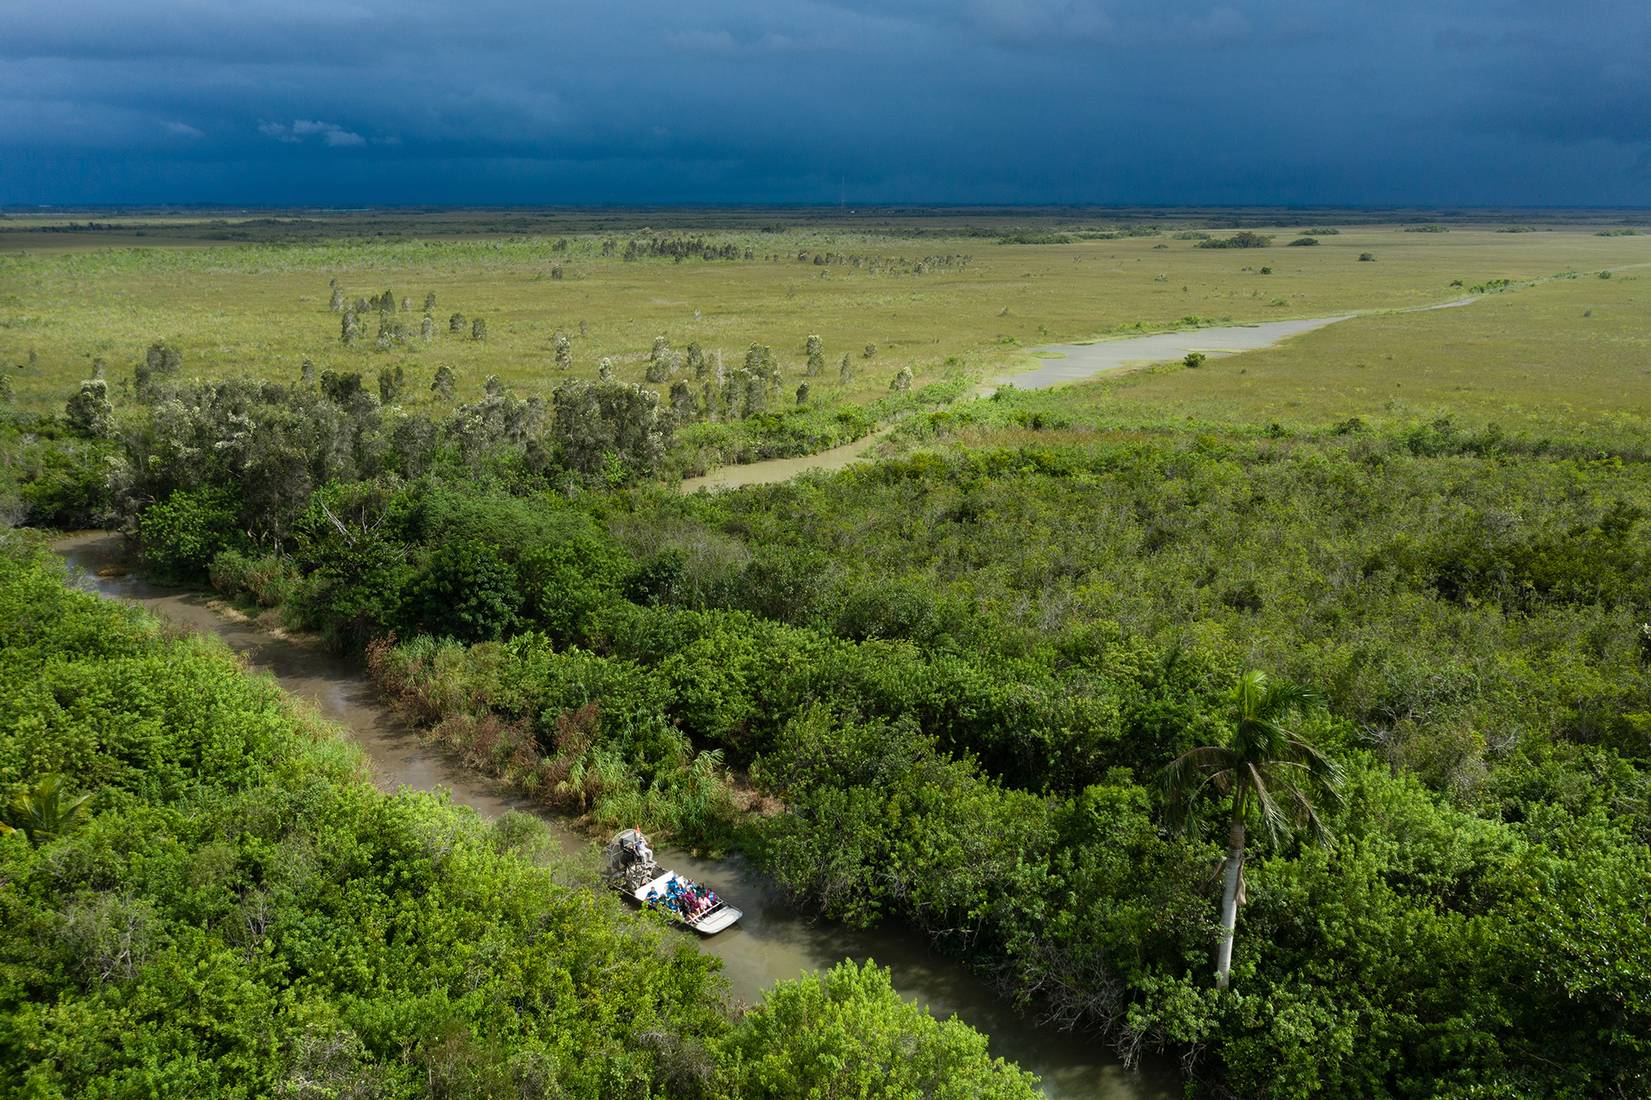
(1205, 758)
(1316, 760)
(1250, 690)
(1283, 698)
(47, 811)
(1273, 822)
(1277, 778)
(1188, 776)
(1307, 815)
(1324, 773)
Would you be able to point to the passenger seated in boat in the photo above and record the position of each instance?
(681, 893)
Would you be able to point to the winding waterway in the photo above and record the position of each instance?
(1065, 363)
(774, 940)
(770, 470)
(1062, 364)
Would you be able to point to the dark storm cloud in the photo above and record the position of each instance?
(330, 101)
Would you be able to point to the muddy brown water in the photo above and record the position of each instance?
(775, 940)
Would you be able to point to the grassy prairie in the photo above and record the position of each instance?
(259, 309)
(1566, 356)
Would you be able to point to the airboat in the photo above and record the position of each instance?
(630, 868)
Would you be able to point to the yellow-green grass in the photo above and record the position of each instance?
(1565, 357)
(260, 310)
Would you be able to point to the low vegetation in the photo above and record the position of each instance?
(925, 293)
(222, 905)
(1566, 360)
(1242, 239)
(1019, 711)
(1289, 714)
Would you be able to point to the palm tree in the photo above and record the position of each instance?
(46, 811)
(1273, 775)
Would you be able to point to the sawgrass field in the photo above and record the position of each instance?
(1565, 358)
(944, 299)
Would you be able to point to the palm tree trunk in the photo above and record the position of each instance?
(1232, 875)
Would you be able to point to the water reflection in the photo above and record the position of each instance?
(1079, 362)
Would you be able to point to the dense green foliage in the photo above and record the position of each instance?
(242, 915)
(1472, 607)
(52, 476)
(962, 732)
(959, 673)
(805, 1042)
(941, 690)
(235, 911)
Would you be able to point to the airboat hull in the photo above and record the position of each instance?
(708, 922)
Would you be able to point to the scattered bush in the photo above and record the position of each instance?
(1242, 239)
(88, 413)
(183, 533)
(444, 385)
(161, 362)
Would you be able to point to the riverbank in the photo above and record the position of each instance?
(772, 942)
(1067, 363)
(1062, 364)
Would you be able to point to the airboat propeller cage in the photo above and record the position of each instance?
(628, 841)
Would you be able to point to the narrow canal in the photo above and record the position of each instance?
(773, 941)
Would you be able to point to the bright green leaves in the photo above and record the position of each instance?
(847, 1033)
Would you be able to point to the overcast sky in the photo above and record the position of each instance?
(347, 102)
